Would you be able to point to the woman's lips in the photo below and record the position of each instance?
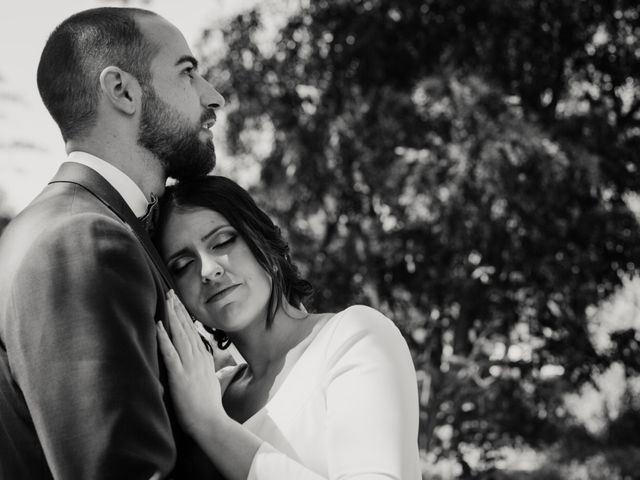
(223, 293)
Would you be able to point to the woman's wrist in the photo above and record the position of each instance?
(229, 445)
(208, 425)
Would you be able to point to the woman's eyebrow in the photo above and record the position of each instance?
(212, 232)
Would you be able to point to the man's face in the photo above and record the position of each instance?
(174, 139)
(178, 107)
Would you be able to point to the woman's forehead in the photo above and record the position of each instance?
(197, 218)
(189, 226)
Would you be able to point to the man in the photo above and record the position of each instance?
(81, 388)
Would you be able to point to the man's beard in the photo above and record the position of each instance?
(167, 134)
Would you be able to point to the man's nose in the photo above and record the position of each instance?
(210, 97)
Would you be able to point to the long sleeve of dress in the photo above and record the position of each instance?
(371, 407)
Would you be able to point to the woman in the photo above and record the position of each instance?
(321, 395)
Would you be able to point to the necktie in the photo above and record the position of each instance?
(150, 218)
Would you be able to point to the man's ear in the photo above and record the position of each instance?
(121, 89)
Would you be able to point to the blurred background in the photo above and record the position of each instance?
(468, 168)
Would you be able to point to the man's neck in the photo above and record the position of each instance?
(137, 163)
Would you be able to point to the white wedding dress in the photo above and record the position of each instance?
(348, 409)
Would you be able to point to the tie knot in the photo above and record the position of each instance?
(150, 218)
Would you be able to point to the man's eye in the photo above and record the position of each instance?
(190, 72)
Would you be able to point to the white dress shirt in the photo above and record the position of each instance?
(127, 188)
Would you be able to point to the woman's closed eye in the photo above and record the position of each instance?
(180, 266)
(182, 261)
(224, 240)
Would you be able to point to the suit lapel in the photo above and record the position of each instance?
(94, 183)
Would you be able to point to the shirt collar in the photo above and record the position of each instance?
(131, 193)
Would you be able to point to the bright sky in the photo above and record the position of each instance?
(31, 148)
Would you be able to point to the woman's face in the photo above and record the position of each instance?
(216, 274)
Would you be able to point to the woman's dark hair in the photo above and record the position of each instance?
(263, 238)
(75, 54)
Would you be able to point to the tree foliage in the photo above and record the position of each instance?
(463, 166)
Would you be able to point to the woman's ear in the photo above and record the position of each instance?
(120, 89)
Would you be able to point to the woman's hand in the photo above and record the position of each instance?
(193, 383)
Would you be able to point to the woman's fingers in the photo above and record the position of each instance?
(186, 337)
(181, 310)
(190, 328)
(186, 323)
(168, 351)
(178, 333)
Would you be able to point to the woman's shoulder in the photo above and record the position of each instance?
(363, 337)
(365, 319)
(362, 325)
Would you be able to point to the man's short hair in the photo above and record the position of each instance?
(76, 53)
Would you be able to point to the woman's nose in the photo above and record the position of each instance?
(211, 270)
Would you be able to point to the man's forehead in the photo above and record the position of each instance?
(169, 42)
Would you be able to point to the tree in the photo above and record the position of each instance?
(462, 167)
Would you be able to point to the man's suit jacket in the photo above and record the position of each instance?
(81, 385)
